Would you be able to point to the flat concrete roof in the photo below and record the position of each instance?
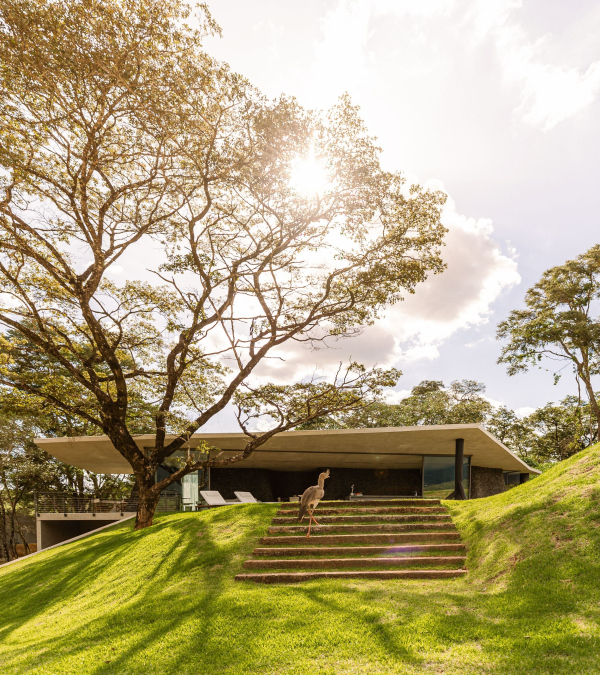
(387, 447)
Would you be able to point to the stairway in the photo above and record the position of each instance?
(395, 539)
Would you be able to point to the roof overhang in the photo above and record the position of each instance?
(388, 447)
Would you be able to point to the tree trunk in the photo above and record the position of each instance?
(594, 404)
(11, 541)
(147, 500)
(26, 547)
(9, 545)
(3, 534)
(134, 488)
(584, 374)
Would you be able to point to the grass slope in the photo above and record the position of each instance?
(164, 600)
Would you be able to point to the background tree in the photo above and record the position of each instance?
(560, 322)
(429, 403)
(562, 430)
(120, 135)
(515, 432)
(24, 468)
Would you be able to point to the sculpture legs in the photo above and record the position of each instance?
(310, 519)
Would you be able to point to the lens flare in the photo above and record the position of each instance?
(309, 176)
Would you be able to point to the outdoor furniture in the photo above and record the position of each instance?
(188, 504)
(214, 498)
(246, 497)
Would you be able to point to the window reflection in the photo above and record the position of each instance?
(438, 476)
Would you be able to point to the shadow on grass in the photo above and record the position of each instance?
(168, 555)
(164, 601)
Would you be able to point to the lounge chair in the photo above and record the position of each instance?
(214, 498)
(246, 497)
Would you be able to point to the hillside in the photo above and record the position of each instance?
(164, 600)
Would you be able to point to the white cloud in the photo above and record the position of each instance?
(394, 397)
(462, 297)
(413, 330)
(494, 402)
(548, 92)
(525, 411)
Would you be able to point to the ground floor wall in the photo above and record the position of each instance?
(55, 528)
(486, 482)
(269, 486)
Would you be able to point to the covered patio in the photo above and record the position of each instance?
(459, 461)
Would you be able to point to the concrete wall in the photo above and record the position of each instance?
(486, 482)
(268, 486)
(54, 528)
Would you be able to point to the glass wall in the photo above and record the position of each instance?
(190, 493)
(511, 479)
(438, 476)
(161, 474)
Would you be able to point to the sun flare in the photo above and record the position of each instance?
(309, 176)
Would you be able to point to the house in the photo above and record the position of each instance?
(426, 461)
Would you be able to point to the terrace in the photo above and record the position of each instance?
(60, 515)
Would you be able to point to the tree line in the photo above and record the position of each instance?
(26, 469)
(549, 434)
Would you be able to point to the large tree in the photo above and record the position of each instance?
(121, 139)
(560, 323)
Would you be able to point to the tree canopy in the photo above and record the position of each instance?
(429, 403)
(122, 138)
(547, 435)
(560, 322)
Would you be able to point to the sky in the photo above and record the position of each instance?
(494, 101)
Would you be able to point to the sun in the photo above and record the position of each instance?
(309, 176)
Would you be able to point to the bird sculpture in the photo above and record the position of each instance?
(310, 498)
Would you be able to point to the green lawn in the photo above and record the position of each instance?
(164, 600)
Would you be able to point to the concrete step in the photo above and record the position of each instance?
(374, 518)
(294, 577)
(404, 562)
(360, 550)
(360, 529)
(433, 512)
(339, 504)
(425, 510)
(341, 539)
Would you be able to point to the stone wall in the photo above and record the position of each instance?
(267, 485)
(396, 482)
(486, 482)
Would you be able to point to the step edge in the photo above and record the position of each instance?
(351, 574)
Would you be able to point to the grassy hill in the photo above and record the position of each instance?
(164, 600)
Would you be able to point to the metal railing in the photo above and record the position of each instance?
(63, 502)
